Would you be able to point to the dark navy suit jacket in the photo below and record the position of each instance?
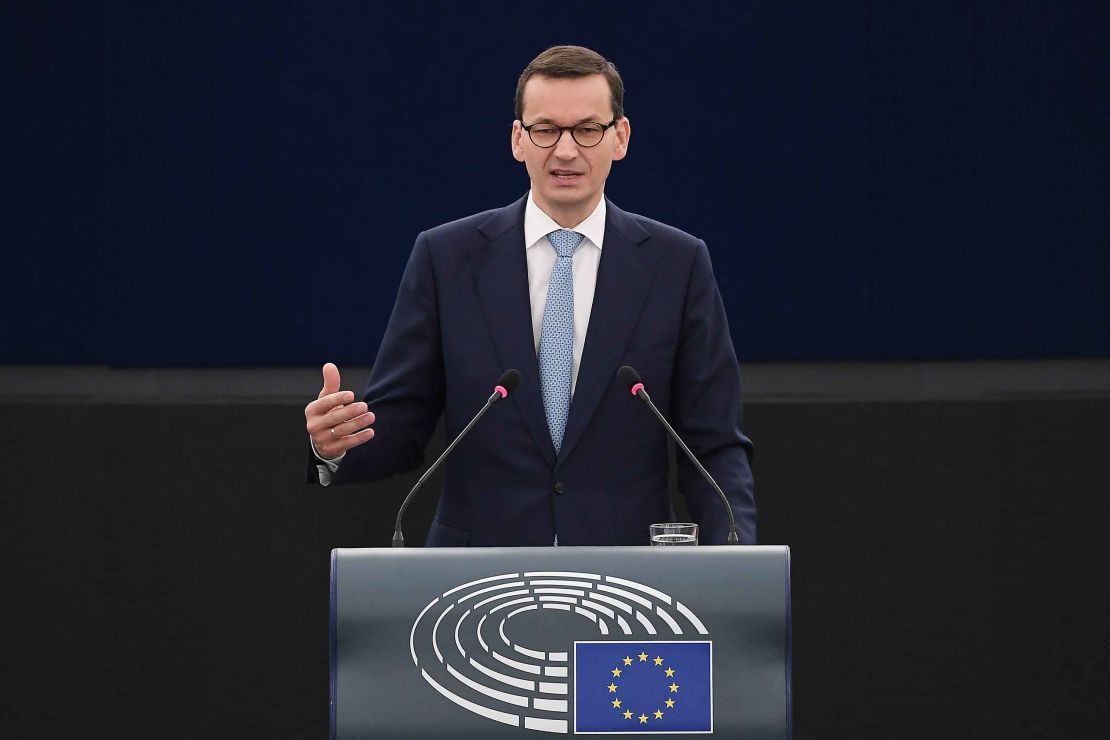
(463, 317)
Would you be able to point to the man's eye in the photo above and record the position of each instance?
(544, 130)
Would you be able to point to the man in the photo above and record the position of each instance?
(564, 287)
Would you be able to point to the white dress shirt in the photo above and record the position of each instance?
(541, 259)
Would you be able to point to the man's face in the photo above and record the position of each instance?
(568, 179)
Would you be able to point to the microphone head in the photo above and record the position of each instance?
(628, 376)
(509, 380)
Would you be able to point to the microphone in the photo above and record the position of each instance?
(506, 384)
(631, 380)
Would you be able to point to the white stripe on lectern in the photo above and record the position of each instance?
(435, 632)
(586, 613)
(632, 597)
(559, 657)
(523, 667)
(486, 590)
(574, 584)
(690, 615)
(530, 653)
(624, 625)
(520, 683)
(669, 620)
(479, 631)
(599, 608)
(564, 607)
(567, 591)
(520, 701)
(514, 612)
(558, 573)
(647, 624)
(615, 602)
(480, 580)
(550, 705)
(457, 625)
(555, 671)
(412, 633)
(507, 604)
(496, 716)
(553, 687)
(501, 631)
(505, 595)
(563, 599)
(640, 587)
(545, 725)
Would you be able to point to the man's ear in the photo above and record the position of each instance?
(518, 148)
(624, 133)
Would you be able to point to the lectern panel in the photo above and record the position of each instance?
(532, 642)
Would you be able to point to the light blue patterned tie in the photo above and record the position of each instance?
(557, 334)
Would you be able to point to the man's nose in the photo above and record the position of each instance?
(566, 147)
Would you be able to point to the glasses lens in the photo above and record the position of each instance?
(544, 136)
(589, 134)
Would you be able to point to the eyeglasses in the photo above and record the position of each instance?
(547, 135)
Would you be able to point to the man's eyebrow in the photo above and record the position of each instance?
(588, 119)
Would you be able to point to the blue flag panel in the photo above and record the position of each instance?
(643, 687)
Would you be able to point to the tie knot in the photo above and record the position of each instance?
(565, 241)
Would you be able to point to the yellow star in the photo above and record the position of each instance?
(658, 714)
(612, 688)
(617, 703)
(643, 657)
(643, 719)
(658, 660)
(617, 672)
(670, 672)
(670, 703)
(628, 661)
(627, 714)
(674, 688)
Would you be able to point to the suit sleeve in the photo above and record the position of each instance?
(406, 387)
(707, 408)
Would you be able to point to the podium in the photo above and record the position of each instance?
(539, 642)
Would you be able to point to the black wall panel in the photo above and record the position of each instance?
(167, 575)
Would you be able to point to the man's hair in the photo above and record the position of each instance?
(572, 61)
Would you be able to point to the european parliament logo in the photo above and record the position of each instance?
(649, 670)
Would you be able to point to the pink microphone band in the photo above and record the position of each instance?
(500, 389)
(637, 388)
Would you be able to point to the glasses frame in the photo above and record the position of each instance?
(604, 127)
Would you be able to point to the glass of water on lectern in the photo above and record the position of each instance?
(674, 533)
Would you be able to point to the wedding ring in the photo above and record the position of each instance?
(332, 431)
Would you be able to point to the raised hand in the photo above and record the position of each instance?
(334, 420)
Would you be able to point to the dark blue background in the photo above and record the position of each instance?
(224, 183)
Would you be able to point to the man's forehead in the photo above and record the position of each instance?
(569, 99)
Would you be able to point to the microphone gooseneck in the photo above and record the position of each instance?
(506, 384)
(630, 379)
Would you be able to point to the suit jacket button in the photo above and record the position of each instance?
(559, 486)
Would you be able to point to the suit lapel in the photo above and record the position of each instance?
(623, 278)
(501, 276)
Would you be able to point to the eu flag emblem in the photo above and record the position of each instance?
(643, 687)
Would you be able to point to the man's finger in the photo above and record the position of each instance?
(331, 379)
(325, 404)
(332, 449)
(337, 416)
(350, 426)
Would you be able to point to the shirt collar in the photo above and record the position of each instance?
(537, 224)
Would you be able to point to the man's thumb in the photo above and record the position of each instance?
(331, 379)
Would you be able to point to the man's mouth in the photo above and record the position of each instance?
(565, 174)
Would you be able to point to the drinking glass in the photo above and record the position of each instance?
(674, 533)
